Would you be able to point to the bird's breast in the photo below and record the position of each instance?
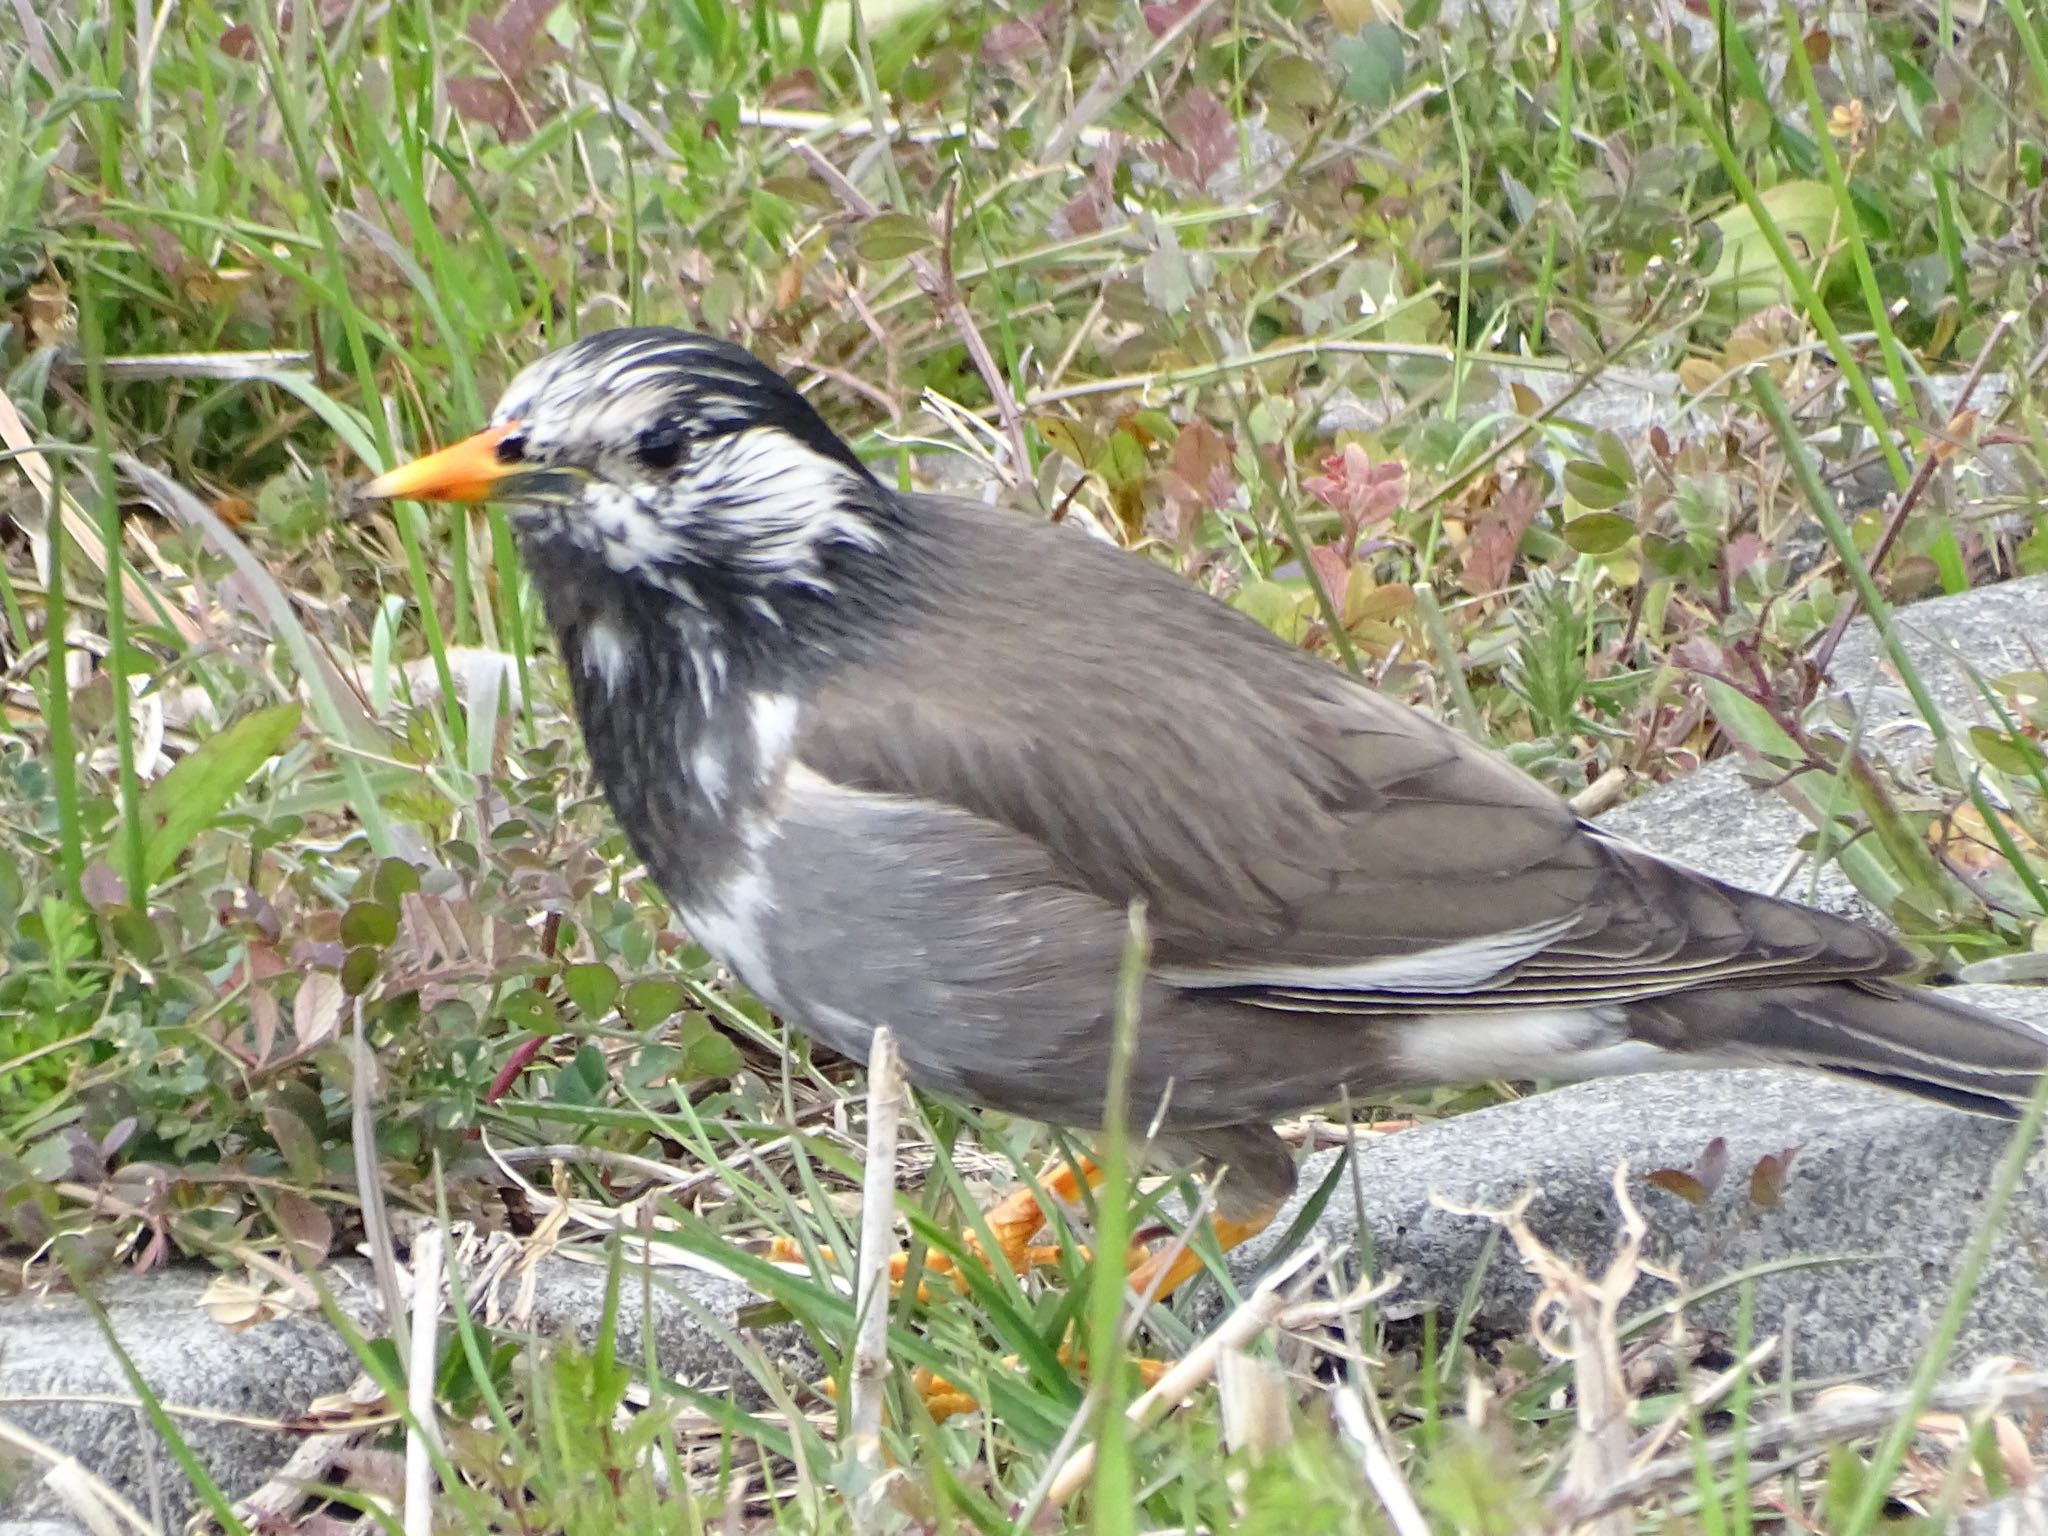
(690, 753)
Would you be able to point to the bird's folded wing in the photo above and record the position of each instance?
(1299, 840)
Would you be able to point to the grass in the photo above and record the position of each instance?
(1320, 305)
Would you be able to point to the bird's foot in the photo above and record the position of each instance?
(1012, 1222)
(1154, 1273)
(1165, 1269)
(943, 1400)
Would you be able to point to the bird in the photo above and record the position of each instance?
(910, 760)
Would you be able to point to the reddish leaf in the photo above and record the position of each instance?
(305, 1226)
(488, 103)
(1740, 553)
(1488, 560)
(316, 1009)
(1203, 141)
(239, 41)
(1680, 1183)
(1712, 1166)
(102, 888)
(265, 1017)
(516, 38)
(1018, 38)
(1359, 490)
(1162, 16)
(517, 44)
(1200, 478)
(1702, 655)
(1089, 210)
(1332, 569)
(1767, 1178)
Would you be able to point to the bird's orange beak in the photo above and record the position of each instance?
(464, 471)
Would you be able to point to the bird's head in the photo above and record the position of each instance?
(670, 460)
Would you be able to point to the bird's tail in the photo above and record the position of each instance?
(1909, 1038)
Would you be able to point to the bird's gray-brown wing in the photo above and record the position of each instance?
(1300, 841)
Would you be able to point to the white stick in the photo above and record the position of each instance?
(1258, 1312)
(419, 1382)
(871, 1282)
(1382, 1475)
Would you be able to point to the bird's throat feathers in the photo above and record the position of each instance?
(687, 732)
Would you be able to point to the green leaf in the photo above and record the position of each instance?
(592, 988)
(1746, 276)
(1668, 556)
(583, 1080)
(367, 922)
(1750, 723)
(1594, 485)
(892, 236)
(651, 1066)
(648, 1003)
(708, 1053)
(1293, 81)
(1680, 1183)
(1613, 455)
(529, 1009)
(1598, 533)
(394, 880)
(296, 1141)
(2007, 753)
(184, 802)
(1284, 607)
(1374, 64)
(359, 969)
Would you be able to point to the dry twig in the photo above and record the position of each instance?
(84, 1495)
(1268, 1306)
(1591, 1314)
(937, 280)
(421, 1430)
(1923, 475)
(1382, 1475)
(1800, 1437)
(870, 1368)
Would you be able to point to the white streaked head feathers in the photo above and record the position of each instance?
(675, 460)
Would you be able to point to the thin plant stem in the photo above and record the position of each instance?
(128, 786)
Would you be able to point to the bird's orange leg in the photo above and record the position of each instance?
(1011, 1222)
(1157, 1275)
(1174, 1264)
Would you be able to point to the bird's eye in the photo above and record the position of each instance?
(661, 444)
(511, 449)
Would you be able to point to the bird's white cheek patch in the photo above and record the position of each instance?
(633, 539)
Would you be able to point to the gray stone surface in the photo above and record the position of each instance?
(55, 1366)
(1716, 820)
(61, 1382)
(1999, 629)
(1890, 1187)
(693, 1324)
